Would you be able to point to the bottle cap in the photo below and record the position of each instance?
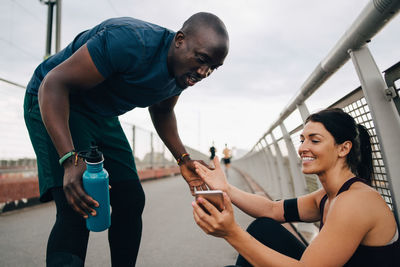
(93, 155)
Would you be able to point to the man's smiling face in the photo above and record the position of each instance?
(195, 56)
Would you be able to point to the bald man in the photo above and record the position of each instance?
(75, 97)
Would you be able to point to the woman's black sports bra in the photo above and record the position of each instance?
(388, 255)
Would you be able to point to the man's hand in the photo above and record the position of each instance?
(215, 178)
(81, 202)
(188, 171)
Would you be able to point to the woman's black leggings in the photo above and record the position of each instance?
(276, 237)
(68, 239)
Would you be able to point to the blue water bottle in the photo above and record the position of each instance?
(95, 183)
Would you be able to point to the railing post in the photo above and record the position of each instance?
(304, 113)
(385, 116)
(58, 25)
(274, 179)
(262, 167)
(50, 7)
(283, 173)
(267, 168)
(275, 172)
(254, 166)
(299, 182)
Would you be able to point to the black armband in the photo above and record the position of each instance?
(291, 211)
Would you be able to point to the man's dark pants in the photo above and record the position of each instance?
(69, 237)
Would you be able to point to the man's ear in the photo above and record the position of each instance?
(344, 149)
(179, 37)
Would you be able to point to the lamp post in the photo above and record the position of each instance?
(50, 6)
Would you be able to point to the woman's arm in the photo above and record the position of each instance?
(222, 224)
(308, 206)
(256, 205)
(346, 226)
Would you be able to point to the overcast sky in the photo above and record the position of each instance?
(274, 46)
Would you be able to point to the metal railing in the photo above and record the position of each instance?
(150, 151)
(376, 106)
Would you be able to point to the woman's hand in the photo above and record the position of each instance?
(214, 178)
(218, 224)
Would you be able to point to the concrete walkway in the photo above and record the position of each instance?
(170, 235)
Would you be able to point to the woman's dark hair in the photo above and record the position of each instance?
(343, 128)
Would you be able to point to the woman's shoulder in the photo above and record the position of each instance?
(362, 203)
(360, 193)
(367, 209)
(359, 196)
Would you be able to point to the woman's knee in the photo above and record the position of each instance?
(262, 226)
(272, 234)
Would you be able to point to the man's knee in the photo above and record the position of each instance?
(127, 196)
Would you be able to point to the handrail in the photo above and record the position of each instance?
(375, 105)
(375, 15)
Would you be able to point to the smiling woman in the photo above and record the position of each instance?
(355, 221)
(349, 139)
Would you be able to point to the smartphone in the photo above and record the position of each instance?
(215, 197)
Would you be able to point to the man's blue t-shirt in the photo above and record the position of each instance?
(132, 57)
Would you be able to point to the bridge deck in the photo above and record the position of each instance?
(170, 235)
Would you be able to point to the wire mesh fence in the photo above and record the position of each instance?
(359, 110)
